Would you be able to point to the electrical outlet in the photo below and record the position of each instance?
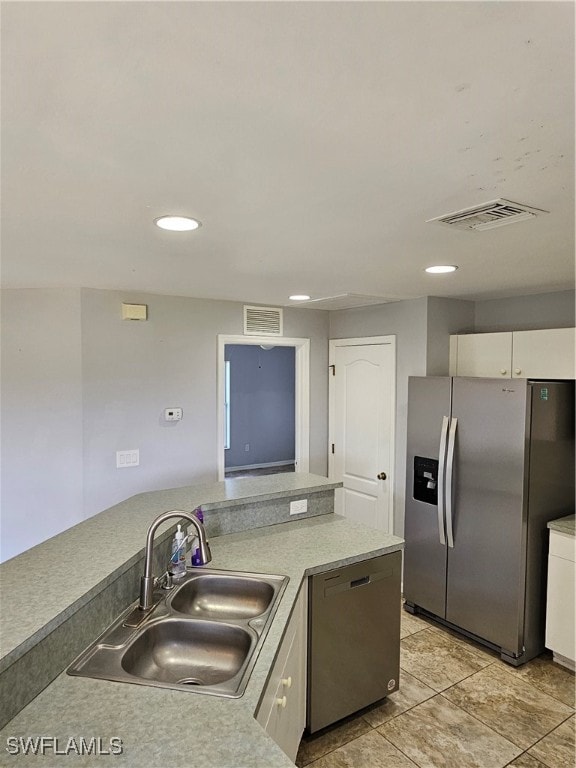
(298, 507)
(247, 447)
(126, 459)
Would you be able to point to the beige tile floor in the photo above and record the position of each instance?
(459, 706)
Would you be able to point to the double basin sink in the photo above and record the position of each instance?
(203, 635)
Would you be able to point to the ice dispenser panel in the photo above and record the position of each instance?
(425, 480)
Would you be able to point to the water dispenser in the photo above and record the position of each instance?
(425, 480)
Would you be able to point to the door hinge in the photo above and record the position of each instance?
(332, 447)
(333, 367)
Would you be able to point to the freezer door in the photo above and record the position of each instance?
(425, 549)
(486, 566)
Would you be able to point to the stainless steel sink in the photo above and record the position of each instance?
(220, 596)
(202, 636)
(188, 652)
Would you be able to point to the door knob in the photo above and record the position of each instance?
(382, 476)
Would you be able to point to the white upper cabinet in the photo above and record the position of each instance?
(484, 354)
(545, 354)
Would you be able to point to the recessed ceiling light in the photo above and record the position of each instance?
(441, 269)
(299, 297)
(177, 223)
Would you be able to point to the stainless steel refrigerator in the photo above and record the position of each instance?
(489, 463)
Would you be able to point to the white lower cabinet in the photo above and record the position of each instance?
(282, 709)
(560, 598)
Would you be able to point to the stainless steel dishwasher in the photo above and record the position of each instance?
(354, 638)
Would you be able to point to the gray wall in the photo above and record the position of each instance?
(262, 386)
(79, 383)
(445, 317)
(133, 370)
(407, 320)
(526, 313)
(41, 406)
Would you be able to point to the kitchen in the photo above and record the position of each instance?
(81, 384)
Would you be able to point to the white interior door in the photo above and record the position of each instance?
(361, 450)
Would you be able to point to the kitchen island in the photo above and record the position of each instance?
(161, 726)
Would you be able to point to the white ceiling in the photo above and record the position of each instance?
(312, 140)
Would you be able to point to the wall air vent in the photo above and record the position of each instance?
(262, 321)
(496, 213)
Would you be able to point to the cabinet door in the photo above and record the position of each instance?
(560, 596)
(288, 716)
(485, 354)
(282, 711)
(546, 354)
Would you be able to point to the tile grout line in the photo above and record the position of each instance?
(469, 714)
(398, 748)
(479, 655)
(440, 693)
(548, 734)
(509, 669)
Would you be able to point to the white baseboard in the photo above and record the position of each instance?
(259, 466)
(565, 662)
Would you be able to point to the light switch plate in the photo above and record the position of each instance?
(298, 507)
(125, 459)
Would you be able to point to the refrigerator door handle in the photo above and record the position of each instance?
(449, 473)
(441, 473)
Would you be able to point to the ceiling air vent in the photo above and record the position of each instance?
(496, 213)
(262, 321)
(343, 301)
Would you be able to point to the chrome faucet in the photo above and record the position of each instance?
(147, 581)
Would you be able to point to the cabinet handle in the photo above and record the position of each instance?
(503, 371)
(281, 702)
(287, 682)
(517, 371)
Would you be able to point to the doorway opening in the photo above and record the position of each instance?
(250, 411)
(259, 402)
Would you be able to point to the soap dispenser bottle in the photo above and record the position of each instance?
(177, 561)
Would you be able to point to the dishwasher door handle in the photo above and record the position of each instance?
(370, 578)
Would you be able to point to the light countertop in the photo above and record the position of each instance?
(182, 728)
(563, 525)
(70, 569)
(159, 726)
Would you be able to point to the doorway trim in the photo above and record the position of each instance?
(358, 342)
(301, 395)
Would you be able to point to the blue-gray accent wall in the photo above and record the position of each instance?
(261, 405)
